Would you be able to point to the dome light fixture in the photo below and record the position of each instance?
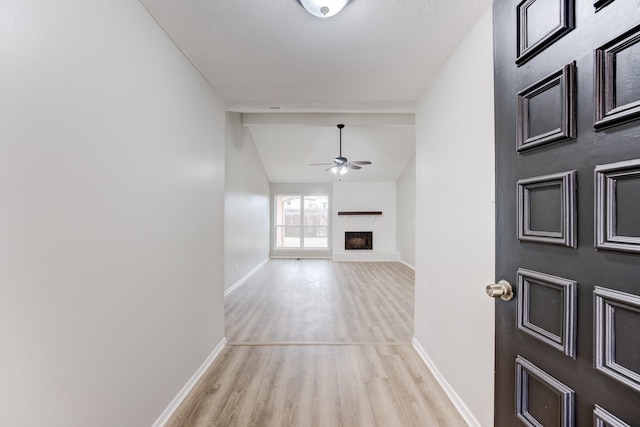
(323, 8)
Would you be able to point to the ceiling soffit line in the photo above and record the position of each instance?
(329, 119)
(317, 106)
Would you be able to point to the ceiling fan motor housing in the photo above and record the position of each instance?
(340, 160)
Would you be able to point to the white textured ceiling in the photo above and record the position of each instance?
(376, 56)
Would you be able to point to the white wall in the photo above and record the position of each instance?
(247, 207)
(406, 213)
(111, 215)
(305, 189)
(455, 221)
(365, 196)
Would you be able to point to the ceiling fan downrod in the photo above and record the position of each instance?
(340, 159)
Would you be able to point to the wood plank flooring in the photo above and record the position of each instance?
(322, 301)
(317, 343)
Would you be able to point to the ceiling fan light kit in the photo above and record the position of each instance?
(323, 8)
(341, 165)
(339, 169)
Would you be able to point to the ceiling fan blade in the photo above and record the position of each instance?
(327, 170)
(361, 162)
(352, 166)
(319, 164)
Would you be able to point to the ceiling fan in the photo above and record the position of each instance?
(341, 164)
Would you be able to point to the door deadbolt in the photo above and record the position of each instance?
(501, 290)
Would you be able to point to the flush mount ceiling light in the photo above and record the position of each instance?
(323, 8)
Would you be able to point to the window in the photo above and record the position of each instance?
(302, 222)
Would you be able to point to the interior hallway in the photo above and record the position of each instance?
(318, 343)
(116, 169)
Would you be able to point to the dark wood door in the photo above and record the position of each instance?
(567, 88)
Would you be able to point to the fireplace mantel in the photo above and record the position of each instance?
(361, 213)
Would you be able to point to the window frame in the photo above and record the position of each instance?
(302, 226)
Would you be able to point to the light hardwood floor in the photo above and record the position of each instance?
(322, 301)
(317, 343)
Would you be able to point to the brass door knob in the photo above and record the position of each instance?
(501, 290)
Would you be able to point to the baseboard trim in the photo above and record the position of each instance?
(297, 256)
(450, 392)
(408, 265)
(244, 278)
(182, 394)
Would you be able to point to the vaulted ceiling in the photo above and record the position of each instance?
(271, 57)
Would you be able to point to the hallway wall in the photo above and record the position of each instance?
(111, 215)
(455, 220)
(247, 204)
(406, 213)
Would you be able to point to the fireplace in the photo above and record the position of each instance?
(358, 240)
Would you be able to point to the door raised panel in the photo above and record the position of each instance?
(547, 309)
(540, 23)
(618, 206)
(599, 4)
(547, 110)
(617, 335)
(602, 418)
(617, 82)
(547, 209)
(542, 400)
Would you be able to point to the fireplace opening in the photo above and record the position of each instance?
(358, 240)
